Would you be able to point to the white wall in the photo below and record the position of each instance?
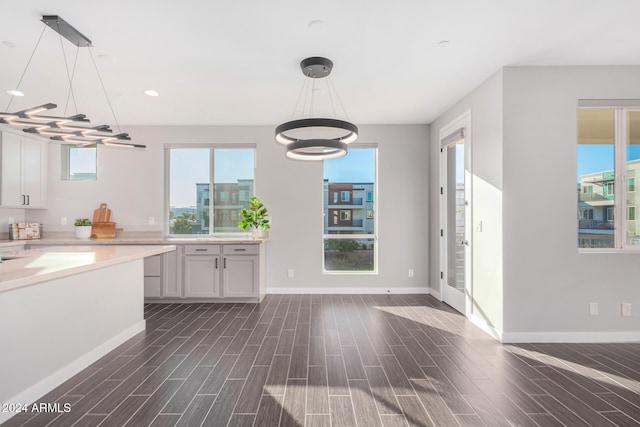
(547, 283)
(131, 183)
(485, 137)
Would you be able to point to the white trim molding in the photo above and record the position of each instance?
(350, 290)
(570, 337)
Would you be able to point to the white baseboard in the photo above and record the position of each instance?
(569, 337)
(482, 324)
(346, 290)
(436, 294)
(49, 383)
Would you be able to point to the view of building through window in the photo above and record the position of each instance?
(349, 211)
(193, 172)
(599, 183)
(78, 163)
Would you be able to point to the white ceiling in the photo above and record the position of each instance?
(236, 62)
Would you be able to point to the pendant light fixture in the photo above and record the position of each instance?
(67, 129)
(316, 138)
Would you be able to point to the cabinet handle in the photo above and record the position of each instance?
(224, 262)
(240, 249)
(24, 200)
(201, 250)
(216, 263)
(28, 201)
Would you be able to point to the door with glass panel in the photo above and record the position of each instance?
(455, 217)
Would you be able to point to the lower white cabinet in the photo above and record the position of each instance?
(162, 275)
(221, 271)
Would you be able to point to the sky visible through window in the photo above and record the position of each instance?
(357, 166)
(599, 157)
(193, 163)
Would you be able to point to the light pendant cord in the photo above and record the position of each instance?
(69, 77)
(104, 90)
(339, 100)
(25, 68)
(333, 107)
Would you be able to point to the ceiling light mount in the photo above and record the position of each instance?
(316, 138)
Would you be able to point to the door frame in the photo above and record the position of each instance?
(461, 301)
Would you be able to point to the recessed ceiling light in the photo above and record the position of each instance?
(443, 43)
(317, 25)
(151, 92)
(107, 58)
(14, 92)
(7, 43)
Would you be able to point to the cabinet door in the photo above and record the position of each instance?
(32, 173)
(201, 276)
(11, 189)
(240, 276)
(172, 274)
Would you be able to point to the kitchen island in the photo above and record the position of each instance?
(62, 308)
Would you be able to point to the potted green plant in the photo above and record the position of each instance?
(83, 228)
(255, 218)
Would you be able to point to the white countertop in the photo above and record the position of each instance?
(32, 266)
(49, 241)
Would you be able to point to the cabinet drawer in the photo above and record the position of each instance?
(152, 287)
(202, 249)
(240, 249)
(152, 266)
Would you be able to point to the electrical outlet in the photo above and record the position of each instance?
(11, 220)
(478, 227)
(411, 272)
(290, 273)
(63, 220)
(625, 309)
(593, 309)
(151, 220)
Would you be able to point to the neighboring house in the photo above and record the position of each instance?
(348, 208)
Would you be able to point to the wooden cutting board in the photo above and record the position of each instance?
(102, 214)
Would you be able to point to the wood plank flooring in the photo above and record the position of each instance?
(342, 360)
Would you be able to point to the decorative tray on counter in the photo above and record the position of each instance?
(25, 231)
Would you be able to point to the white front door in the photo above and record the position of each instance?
(455, 202)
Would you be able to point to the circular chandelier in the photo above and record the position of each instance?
(316, 138)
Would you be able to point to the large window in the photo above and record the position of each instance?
(207, 188)
(608, 158)
(349, 235)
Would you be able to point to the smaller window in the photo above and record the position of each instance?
(587, 214)
(344, 196)
(631, 184)
(335, 218)
(587, 189)
(369, 196)
(631, 213)
(610, 187)
(345, 215)
(78, 163)
(335, 197)
(610, 214)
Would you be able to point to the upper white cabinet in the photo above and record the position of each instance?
(24, 171)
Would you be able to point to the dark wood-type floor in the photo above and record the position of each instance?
(342, 360)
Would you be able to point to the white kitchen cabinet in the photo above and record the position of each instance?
(161, 275)
(221, 271)
(23, 176)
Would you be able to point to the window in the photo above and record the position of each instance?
(608, 156)
(587, 214)
(350, 242)
(192, 172)
(78, 163)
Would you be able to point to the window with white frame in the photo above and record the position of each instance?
(350, 240)
(206, 187)
(608, 156)
(78, 163)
